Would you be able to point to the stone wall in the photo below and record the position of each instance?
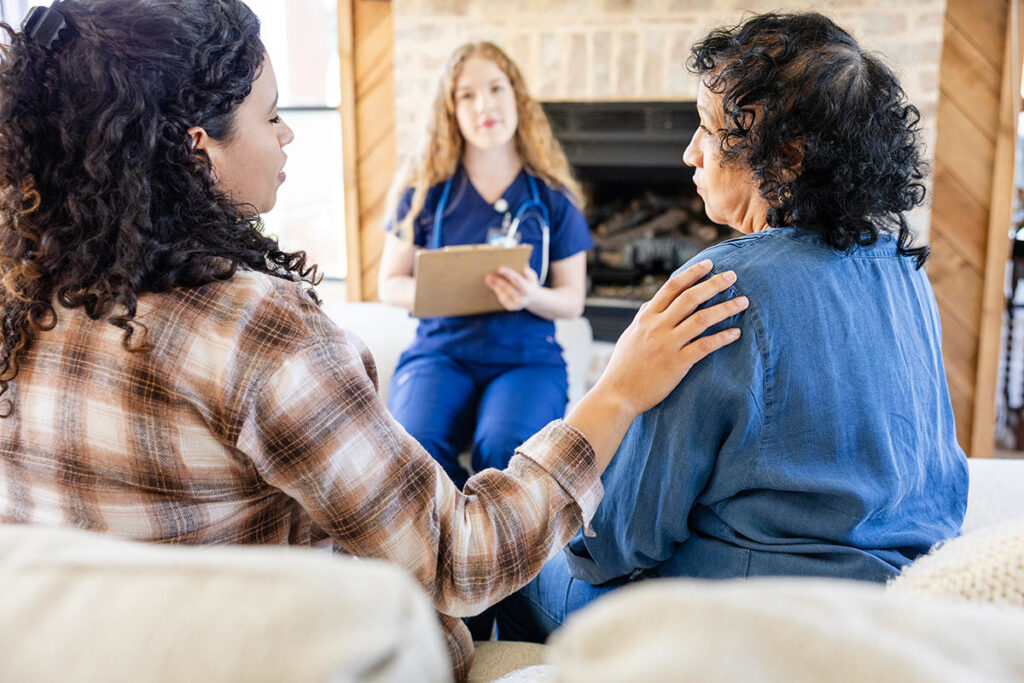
(586, 50)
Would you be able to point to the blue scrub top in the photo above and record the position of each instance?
(504, 337)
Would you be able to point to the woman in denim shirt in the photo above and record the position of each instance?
(822, 443)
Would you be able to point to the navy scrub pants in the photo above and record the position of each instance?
(445, 404)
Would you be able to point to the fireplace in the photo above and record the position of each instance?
(645, 216)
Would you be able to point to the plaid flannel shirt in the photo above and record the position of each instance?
(254, 419)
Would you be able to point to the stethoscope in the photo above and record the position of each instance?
(531, 208)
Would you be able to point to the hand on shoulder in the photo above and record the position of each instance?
(664, 340)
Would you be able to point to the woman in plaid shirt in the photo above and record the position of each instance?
(165, 372)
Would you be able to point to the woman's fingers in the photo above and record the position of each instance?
(501, 287)
(698, 349)
(696, 324)
(496, 283)
(522, 281)
(510, 274)
(508, 295)
(512, 279)
(679, 284)
(690, 300)
(661, 345)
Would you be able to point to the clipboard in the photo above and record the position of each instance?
(450, 281)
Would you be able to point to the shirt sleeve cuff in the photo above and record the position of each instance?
(565, 453)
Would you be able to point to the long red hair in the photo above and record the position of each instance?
(442, 145)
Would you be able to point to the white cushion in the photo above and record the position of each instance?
(535, 673)
(996, 493)
(785, 630)
(389, 330)
(78, 606)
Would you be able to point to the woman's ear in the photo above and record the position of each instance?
(201, 142)
(793, 153)
(199, 137)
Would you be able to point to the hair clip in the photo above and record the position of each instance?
(45, 24)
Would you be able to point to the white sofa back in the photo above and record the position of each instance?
(388, 331)
(996, 493)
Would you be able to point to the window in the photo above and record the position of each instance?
(301, 37)
(13, 11)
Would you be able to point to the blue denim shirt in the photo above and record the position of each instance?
(820, 443)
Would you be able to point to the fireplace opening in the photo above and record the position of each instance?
(643, 231)
(645, 216)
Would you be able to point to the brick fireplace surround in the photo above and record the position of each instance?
(615, 50)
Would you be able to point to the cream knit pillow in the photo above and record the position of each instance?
(983, 566)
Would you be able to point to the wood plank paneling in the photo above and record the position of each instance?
(350, 166)
(972, 83)
(970, 211)
(375, 91)
(983, 24)
(963, 150)
(962, 400)
(956, 282)
(371, 140)
(955, 207)
(961, 343)
(998, 248)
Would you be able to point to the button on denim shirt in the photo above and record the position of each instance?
(820, 443)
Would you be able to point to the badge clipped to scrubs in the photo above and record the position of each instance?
(532, 208)
(503, 236)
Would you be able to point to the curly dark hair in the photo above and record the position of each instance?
(102, 197)
(824, 126)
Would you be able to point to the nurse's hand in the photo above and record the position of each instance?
(663, 342)
(515, 290)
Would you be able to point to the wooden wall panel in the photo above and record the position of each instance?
(350, 166)
(970, 210)
(961, 290)
(983, 24)
(977, 80)
(368, 48)
(998, 248)
(955, 207)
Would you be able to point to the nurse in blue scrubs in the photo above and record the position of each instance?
(488, 171)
